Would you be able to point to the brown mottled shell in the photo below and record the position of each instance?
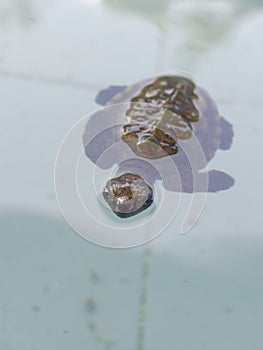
(201, 117)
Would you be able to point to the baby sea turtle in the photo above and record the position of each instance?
(162, 117)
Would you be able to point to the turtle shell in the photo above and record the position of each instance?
(203, 120)
(170, 112)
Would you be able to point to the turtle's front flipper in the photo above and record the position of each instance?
(227, 134)
(219, 181)
(104, 96)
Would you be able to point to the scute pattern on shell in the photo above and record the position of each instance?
(209, 133)
(159, 115)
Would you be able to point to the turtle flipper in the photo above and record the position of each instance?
(212, 181)
(104, 96)
(216, 181)
(219, 181)
(227, 134)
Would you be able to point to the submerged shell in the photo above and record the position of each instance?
(168, 115)
(190, 111)
(159, 115)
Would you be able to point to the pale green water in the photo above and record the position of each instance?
(193, 292)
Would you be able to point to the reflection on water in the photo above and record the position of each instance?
(207, 10)
(21, 12)
(189, 28)
(148, 8)
(56, 284)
